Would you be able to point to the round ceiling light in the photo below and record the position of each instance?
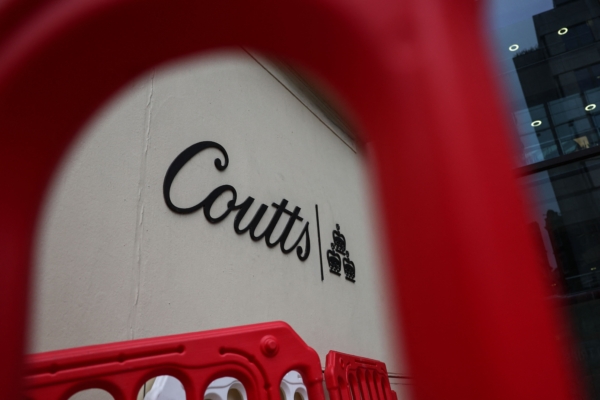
(513, 47)
(536, 123)
(590, 107)
(562, 31)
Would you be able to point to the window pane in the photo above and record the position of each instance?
(550, 61)
(548, 55)
(566, 225)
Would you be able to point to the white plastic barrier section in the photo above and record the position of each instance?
(225, 389)
(292, 387)
(166, 387)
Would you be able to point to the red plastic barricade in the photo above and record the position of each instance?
(351, 377)
(258, 356)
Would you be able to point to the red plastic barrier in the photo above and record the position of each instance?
(259, 356)
(352, 377)
(414, 78)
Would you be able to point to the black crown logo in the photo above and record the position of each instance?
(334, 256)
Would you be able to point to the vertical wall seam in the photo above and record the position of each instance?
(139, 228)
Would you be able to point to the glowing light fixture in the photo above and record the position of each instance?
(513, 47)
(536, 123)
(590, 107)
(562, 31)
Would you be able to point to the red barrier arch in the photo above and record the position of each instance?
(404, 69)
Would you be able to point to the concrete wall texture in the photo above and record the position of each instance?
(114, 263)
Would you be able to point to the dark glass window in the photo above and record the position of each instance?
(578, 35)
(558, 3)
(588, 77)
(573, 37)
(567, 225)
(548, 55)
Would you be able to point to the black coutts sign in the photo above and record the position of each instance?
(241, 209)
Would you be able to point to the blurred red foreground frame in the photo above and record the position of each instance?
(413, 76)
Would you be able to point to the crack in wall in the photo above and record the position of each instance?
(139, 228)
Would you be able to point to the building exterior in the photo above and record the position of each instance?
(285, 231)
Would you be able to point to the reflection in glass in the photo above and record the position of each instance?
(567, 228)
(553, 83)
(554, 77)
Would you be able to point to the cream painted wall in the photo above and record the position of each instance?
(114, 263)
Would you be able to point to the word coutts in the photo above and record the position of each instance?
(241, 209)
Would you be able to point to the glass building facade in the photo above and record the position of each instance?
(548, 57)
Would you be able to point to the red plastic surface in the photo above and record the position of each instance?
(414, 77)
(258, 356)
(352, 377)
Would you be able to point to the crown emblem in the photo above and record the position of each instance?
(334, 256)
(349, 269)
(334, 260)
(339, 241)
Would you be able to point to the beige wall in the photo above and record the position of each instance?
(114, 263)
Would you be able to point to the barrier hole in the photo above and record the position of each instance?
(369, 384)
(292, 387)
(234, 394)
(92, 394)
(377, 384)
(342, 385)
(361, 380)
(382, 383)
(163, 387)
(354, 390)
(226, 388)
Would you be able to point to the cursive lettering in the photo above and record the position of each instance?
(241, 209)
